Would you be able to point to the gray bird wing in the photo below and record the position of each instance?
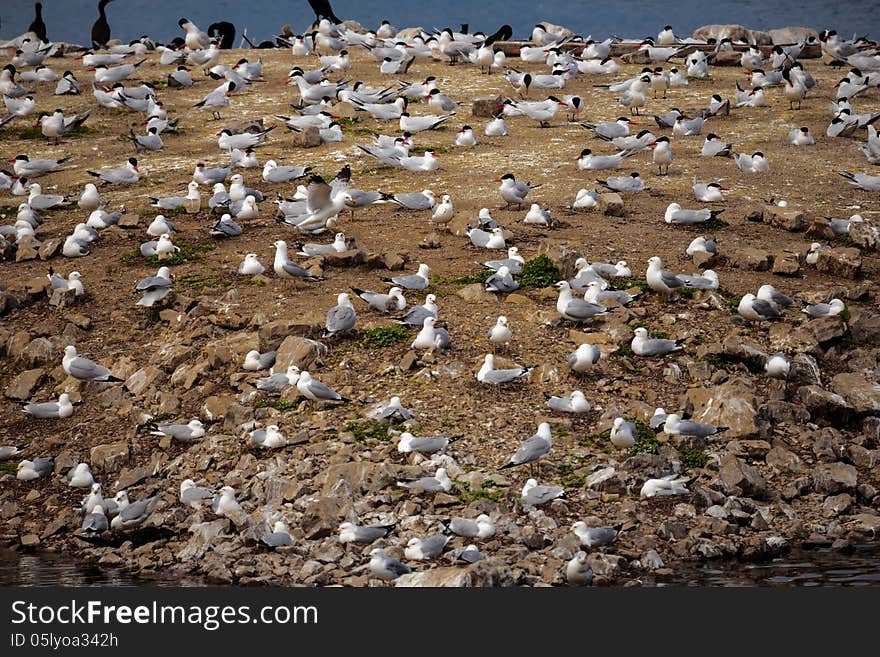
(531, 450)
(670, 280)
(428, 444)
(86, 370)
(277, 539)
(137, 512)
(503, 376)
(560, 404)
(542, 494)
(267, 359)
(43, 410)
(396, 567)
(152, 296)
(417, 315)
(295, 270)
(689, 428)
(194, 494)
(690, 216)
(44, 465)
(274, 383)
(95, 522)
(340, 318)
(599, 536)
(580, 309)
(322, 391)
(464, 527)
(765, 308)
(413, 201)
(413, 282)
(433, 545)
(151, 282)
(427, 484)
(657, 346)
(176, 431)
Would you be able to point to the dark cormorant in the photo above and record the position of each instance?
(323, 9)
(38, 27)
(226, 31)
(101, 28)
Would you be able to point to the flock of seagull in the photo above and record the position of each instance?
(318, 205)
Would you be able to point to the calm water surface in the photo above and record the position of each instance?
(71, 20)
(800, 568)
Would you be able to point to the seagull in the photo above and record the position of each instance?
(501, 281)
(416, 315)
(439, 482)
(481, 527)
(834, 307)
(665, 486)
(500, 333)
(702, 245)
(316, 391)
(578, 571)
(630, 183)
(431, 338)
(95, 520)
(488, 374)
(777, 366)
(575, 309)
(623, 433)
(658, 419)
(642, 345)
(351, 533)
(250, 266)
(514, 262)
(225, 504)
(533, 448)
(183, 432)
(418, 549)
(134, 513)
(286, 268)
(393, 412)
(409, 443)
(661, 280)
(534, 494)
(391, 301)
(769, 293)
(254, 361)
(341, 317)
(276, 383)
(80, 476)
(754, 309)
(385, 567)
(192, 495)
(675, 214)
(583, 358)
(84, 369)
(155, 288)
(575, 403)
(470, 554)
(709, 192)
(591, 537)
(278, 537)
(417, 281)
(674, 425)
(493, 239)
(270, 437)
(339, 245)
(40, 467)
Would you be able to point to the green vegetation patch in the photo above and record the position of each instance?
(364, 431)
(380, 337)
(539, 272)
(488, 490)
(692, 458)
(278, 404)
(646, 440)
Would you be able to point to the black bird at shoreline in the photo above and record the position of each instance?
(101, 28)
(38, 27)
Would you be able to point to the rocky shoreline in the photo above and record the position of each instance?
(798, 466)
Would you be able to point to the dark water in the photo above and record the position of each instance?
(71, 20)
(800, 568)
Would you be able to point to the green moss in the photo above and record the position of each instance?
(198, 281)
(627, 283)
(488, 490)
(844, 314)
(646, 440)
(692, 458)
(732, 303)
(568, 478)
(364, 431)
(686, 292)
(278, 404)
(719, 361)
(480, 277)
(253, 282)
(380, 337)
(8, 468)
(187, 253)
(539, 272)
(131, 257)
